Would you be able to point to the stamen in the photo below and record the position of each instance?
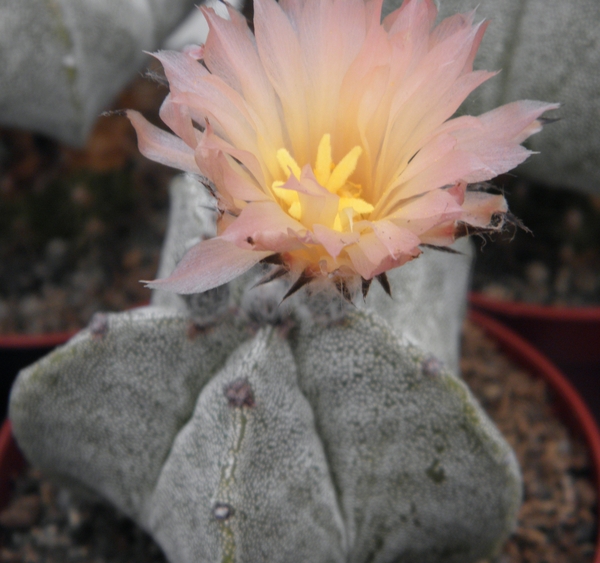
(324, 162)
(343, 170)
(288, 196)
(349, 207)
(287, 163)
(358, 205)
(295, 209)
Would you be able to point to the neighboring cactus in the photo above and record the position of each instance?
(292, 434)
(64, 61)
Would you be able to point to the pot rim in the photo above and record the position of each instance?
(520, 309)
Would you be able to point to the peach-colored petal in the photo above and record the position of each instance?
(160, 146)
(328, 51)
(211, 141)
(209, 264)
(231, 54)
(370, 257)
(208, 95)
(177, 117)
(496, 141)
(282, 60)
(398, 240)
(425, 212)
(262, 225)
(479, 207)
(445, 106)
(334, 241)
(236, 183)
(438, 164)
(421, 97)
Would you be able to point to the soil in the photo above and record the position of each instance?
(79, 228)
(557, 522)
(555, 260)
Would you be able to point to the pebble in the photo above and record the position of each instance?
(24, 512)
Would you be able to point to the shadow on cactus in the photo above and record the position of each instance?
(243, 421)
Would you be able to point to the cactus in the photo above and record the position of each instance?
(91, 50)
(237, 430)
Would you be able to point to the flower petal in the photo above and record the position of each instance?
(263, 225)
(370, 257)
(178, 118)
(497, 141)
(163, 147)
(231, 54)
(282, 60)
(425, 212)
(208, 264)
(334, 241)
(479, 207)
(236, 183)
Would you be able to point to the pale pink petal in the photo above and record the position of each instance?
(370, 257)
(440, 235)
(212, 142)
(438, 164)
(425, 212)
(427, 128)
(282, 60)
(228, 176)
(369, 65)
(479, 207)
(209, 264)
(334, 241)
(397, 240)
(205, 94)
(413, 17)
(419, 103)
(475, 46)
(231, 54)
(177, 117)
(496, 141)
(160, 146)
(328, 51)
(262, 225)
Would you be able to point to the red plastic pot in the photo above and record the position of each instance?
(568, 403)
(569, 336)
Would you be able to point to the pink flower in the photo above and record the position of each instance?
(329, 140)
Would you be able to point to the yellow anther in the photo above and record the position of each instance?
(287, 163)
(334, 178)
(324, 163)
(337, 224)
(288, 196)
(350, 207)
(358, 205)
(295, 210)
(343, 170)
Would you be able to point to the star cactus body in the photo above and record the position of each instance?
(329, 141)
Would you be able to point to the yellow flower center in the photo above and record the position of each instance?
(335, 178)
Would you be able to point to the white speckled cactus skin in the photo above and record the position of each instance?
(92, 49)
(253, 433)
